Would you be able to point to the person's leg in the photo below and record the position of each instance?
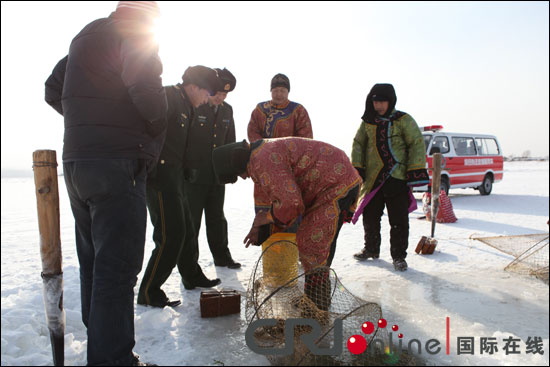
(216, 224)
(165, 203)
(115, 193)
(316, 240)
(396, 195)
(371, 224)
(216, 227)
(196, 196)
(188, 261)
(83, 238)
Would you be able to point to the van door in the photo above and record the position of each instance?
(494, 161)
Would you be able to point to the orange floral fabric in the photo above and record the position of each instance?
(304, 177)
(273, 121)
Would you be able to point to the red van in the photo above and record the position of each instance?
(469, 160)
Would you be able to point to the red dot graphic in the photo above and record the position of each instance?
(367, 327)
(382, 323)
(395, 327)
(357, 344)
(400, 336)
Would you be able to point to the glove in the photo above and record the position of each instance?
(418, 177)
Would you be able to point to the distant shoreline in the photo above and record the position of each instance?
(19, 173)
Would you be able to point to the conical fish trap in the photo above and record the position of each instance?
(317, 295)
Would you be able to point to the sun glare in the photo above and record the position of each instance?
(158, 30)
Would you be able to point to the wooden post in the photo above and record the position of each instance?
(436, 184)
(47, 200)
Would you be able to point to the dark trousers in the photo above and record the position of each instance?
(210, 199)
(169, 212)
(394, 194)
(109, 206)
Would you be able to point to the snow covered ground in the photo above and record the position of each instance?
(464, 280)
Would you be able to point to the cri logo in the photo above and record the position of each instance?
(357, 343)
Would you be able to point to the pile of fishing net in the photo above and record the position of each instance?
(279, 290)
(530, 252)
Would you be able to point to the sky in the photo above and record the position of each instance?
(473, 67)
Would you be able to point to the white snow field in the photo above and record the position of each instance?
(464, 281)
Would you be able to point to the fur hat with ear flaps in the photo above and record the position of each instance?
(230, 161)
(379, 92)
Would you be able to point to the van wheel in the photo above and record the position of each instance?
(487, 185)
(445, 185)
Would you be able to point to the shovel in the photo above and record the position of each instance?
(427, 245)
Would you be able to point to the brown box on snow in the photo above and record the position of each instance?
(220, 303)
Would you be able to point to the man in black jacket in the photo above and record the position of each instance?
(110, 93)
(212, 127)
(166, 198)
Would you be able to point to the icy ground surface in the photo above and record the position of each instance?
(464, 280)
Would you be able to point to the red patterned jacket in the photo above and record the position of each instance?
(298, 175)
(273, 121)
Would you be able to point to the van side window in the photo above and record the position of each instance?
(464, 146)
(487, 146)
(441, 142)
(427, 139)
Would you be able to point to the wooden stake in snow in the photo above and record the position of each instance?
(47, 200)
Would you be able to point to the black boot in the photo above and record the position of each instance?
(230, 263)
(364, 254)
(161, 303)
(202, 282)
(137, 362)
(317, 288)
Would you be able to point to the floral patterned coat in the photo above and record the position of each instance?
(304, 177)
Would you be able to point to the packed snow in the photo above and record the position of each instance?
(464, 280)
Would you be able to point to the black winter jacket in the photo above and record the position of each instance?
(111, 92)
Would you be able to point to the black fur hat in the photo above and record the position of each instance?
(226, 79)
(230, 161)
(203, 77)
(379, 92)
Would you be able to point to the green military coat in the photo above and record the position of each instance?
(179, 116)
(211, 127)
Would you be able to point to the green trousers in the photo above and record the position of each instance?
(208, 199)
(170, 216)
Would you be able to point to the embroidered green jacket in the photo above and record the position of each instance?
(393, 147)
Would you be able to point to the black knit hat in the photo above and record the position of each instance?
(280, 80)
(203, 77)
(230, 161)
(226, 80)
(379, 92)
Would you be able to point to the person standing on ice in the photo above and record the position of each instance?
(212, 127)
(299, 177)
(277, 118)
(109, 91)
(389, 154)
(166, 198)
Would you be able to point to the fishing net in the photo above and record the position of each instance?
(280, 290)
(530, 252)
